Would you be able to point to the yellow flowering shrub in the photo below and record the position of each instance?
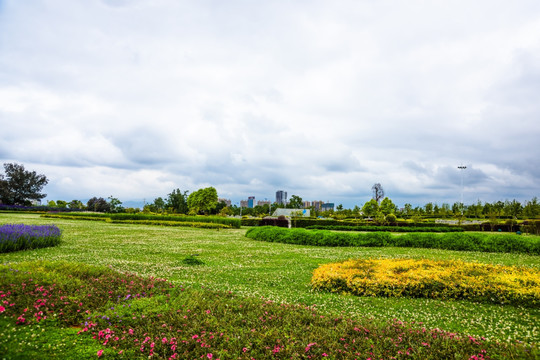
(432, 279)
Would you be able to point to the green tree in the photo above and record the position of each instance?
(387, 206)
(512, 208)
(76, 204)
(19, 186)
(159, 204)
(51, 203)
(295, 202)
(61, 204)
(532, 208)
(371, 208)
(177, 202)
(428, 208)
(115, 205)
(98, 204)
(407, 209)
(203, 201)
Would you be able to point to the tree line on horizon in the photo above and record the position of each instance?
(20, 187)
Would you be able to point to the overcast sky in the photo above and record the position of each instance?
(321, 99)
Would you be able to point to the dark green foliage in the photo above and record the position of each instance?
(449, 241)
(192, 260)
(387, 228)
(152, 219)
(19, 186)
(98, 204)
(200, 225)
(177, 201)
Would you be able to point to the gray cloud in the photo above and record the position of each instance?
(135, 98)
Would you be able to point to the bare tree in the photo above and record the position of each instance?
(378, 192)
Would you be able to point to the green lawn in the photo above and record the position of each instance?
(274, 271)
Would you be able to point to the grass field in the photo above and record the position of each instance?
(276, 272)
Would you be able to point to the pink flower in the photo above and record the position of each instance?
(324, 354)
(2, 309)
(99, 353)
(209, 355)
(244, 349)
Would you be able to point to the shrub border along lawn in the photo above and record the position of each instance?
(16, 237)
(445, 280)
(441, 229)
(124, 315)
(505, 243)
(148, 219)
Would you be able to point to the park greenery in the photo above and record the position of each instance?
(184, 278)
(101, 294)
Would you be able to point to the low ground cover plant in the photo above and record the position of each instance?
(508, 243)
(432, 279)
(16, 237)
(126, 316)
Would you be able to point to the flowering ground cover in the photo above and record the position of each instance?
(128, 316)
(227, 261)
(443, 279)
(15, 237)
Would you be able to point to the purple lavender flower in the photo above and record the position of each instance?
(15, 237)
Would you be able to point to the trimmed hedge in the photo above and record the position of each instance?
(138, 218)
(200, 225)
(506, 243)
(387, 228)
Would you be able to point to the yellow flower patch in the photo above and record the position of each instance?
(431, 279)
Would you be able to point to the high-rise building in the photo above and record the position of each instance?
(306, 204)
(281, 197)
(244, 203)
(263, 202)
(226, 201)
(317, 205)
(327, 207)
(251, 202)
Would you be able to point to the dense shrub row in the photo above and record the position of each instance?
(432, 279)
(15, 237)
(387, 228)
(200, 225)
(450, 241)
(229, 222)
(137, 318)
(40, 208)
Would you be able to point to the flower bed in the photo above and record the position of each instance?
(15, 237)
(127, 316)
(432, 279)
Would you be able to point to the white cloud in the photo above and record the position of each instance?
(135, 98)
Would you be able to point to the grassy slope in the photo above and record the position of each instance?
(276, 271)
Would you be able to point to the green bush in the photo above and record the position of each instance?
(138, 217)
(386, 228)
(200, 225)
(507, 243)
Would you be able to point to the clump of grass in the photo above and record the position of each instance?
(192, 260)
